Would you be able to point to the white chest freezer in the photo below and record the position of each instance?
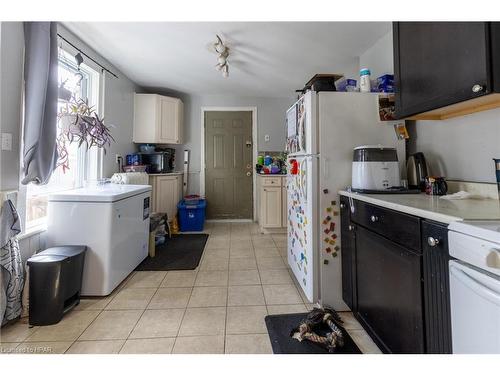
(112, 221)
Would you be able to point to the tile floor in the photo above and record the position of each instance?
(217, 308)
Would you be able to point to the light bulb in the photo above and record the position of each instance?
(221, 60)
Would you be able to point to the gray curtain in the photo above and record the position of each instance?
(40, 109)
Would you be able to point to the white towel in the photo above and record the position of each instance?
(131, 178)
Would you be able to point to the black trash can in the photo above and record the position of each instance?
(55, 277)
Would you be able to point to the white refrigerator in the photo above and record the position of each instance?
(322, 130)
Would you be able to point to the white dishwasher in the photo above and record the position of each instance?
(475, 286)
(112, 221)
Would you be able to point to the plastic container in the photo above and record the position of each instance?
(191, 216)
(385, 83)
(346, 85)
(268, 160)
(364, 80)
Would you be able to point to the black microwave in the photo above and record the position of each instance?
(160, 161)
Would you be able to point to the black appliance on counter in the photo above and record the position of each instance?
(159, 161)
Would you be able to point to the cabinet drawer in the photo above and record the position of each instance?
(271, 181)
(399, 227)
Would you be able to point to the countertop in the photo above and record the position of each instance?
(271, 175)
(433, 207)
(166, 174)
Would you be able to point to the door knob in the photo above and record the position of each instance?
(351, 227)
(249, 173)
(342, 205)
(477, 88)
(374, 218)
(433, 242)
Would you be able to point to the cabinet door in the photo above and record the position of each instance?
(389, 293)
(270, 207)
(284, 206)
(167, 194)
(439, 63)
(169, 124)
(347, 250)
(436, 288)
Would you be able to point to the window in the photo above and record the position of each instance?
(83, 163)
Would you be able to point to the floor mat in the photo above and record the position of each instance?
(280, 326)
(181, 252)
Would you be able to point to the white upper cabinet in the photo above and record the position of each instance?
(157, 119)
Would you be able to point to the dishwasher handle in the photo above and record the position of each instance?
(462, 274)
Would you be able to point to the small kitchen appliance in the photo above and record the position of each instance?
(375, 168)
(160, 161)
(417, 170)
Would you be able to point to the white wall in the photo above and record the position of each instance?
(11, 66)
(379, 58)
(460, 148)
(270, 120)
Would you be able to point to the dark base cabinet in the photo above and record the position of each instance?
(395, 278)
(436, 287)
(389, 292)
(348, 261)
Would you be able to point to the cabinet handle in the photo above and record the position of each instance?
(477, 88)
(433, 242)
(374, 218)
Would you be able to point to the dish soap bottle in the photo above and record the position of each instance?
(364, 80)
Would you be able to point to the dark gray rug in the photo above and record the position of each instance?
(181, 252)
(280, 326)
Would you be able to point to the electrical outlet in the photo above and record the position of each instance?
(6, 142)
(267, 138)
(118, 158)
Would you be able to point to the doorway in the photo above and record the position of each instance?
(228, 159)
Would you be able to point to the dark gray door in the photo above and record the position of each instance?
(228, 164)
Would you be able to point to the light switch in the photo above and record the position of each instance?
(6, 142)
(267, 138)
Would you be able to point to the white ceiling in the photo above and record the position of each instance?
(267, 59)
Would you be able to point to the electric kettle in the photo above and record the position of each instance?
(417, 170)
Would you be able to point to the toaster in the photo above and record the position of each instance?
(375, 168)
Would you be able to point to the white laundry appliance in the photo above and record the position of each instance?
(112, 221)
(322, 131)
(475, 286)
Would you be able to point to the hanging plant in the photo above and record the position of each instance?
(79, 123)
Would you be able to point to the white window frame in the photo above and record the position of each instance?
(90, 161)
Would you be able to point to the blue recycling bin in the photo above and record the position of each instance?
(191, 215)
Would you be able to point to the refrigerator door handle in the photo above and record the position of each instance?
(326, 169)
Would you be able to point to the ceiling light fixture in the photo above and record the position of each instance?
(223, 53)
